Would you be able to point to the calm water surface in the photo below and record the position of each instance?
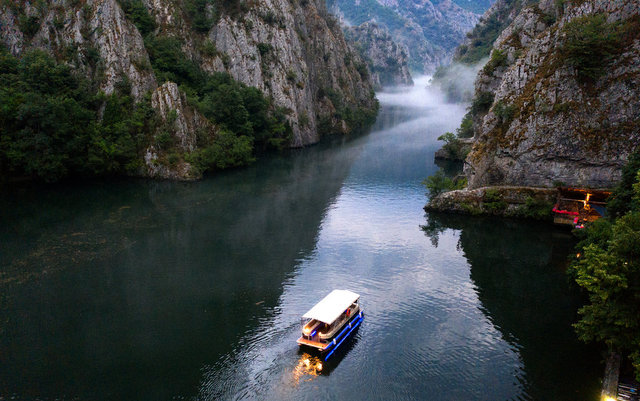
(159, 290)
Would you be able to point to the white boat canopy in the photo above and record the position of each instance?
(332, 306)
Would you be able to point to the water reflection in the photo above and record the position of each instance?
(519, 270)
(159, 290)
(308, 365)
(109, 287)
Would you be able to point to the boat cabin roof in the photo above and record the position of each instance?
(332, 306)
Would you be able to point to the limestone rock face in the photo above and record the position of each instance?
(183, 122)
(12, 37)
(172, 107)
(545, 125)
(121, 48)
(388, 62)
(101, 27)
(294, 54)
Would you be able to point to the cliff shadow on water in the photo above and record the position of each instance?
(519, 271)
(120, 290)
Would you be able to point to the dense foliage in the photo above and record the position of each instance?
(608, 268)
(248, 120)
(481, 40)
(202, 14)
(51, 127)
(137, 12)
(57, 124)
(621, 202)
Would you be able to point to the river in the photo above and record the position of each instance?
(139, 289)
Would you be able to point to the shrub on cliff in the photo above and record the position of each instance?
(493, 202)
(591, 45)
(498, 59)
(482, 103)
(466, 126)
(455, 149)
(136, 11)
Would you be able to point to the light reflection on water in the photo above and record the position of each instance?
(161, 290)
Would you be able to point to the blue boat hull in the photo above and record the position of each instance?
(347, 332)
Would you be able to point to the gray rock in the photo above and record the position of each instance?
(510, 201)
(561, 130)
(167, 100)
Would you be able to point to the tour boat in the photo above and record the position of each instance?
(331, 321)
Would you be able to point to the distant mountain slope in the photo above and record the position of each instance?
(387, 61)
(430, 29)
(479, 42)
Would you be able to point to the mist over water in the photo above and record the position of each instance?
(160, 290)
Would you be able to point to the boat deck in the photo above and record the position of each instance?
(314, 344)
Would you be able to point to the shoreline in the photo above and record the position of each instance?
(506, 201)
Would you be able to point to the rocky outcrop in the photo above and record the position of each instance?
(295, 53)
(430, 30)
(506, 201)
(184, 122)
(387, 61)
(173, 109)
(542, 123)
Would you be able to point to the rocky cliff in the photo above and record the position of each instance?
(559, 99)
(387, 61)
(293, 52)
(430, 30)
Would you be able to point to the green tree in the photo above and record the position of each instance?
(622, 199)
(466, 126)
(609, 270)
(136, 11)
(453, 146)
(226, 151)
(439, 183)
(50, 122)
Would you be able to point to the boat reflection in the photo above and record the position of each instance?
(310, 364)
(308, 367)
